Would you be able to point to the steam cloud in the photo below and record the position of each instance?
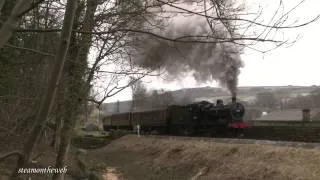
(207, 61)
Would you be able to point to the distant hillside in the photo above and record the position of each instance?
(247, 94)
(194, 93)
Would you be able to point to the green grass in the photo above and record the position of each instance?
(85, 142)
(97, 134)
(90, 139)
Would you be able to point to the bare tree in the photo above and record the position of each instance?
(223, 22)
(24, 79)
(50, 95)
(75, 89)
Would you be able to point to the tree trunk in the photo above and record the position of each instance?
(58, 133)
(12, 22)
(65, 138)
(52, 89)
(76, 89)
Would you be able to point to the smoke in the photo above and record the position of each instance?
(207, 61)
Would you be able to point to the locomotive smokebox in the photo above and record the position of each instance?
(234, 99)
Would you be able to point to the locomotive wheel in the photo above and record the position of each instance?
(186, 130)
(236, 133)
(240, 133)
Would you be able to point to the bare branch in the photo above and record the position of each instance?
(28, 49)
(241, 19)
(178, 39)
(14, 153)
(2, 2)
(127, 73)
(33, 5)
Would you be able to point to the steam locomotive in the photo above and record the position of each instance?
(193, 119)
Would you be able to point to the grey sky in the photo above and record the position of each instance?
(294, 65)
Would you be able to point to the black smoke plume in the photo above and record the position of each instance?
(207, 61)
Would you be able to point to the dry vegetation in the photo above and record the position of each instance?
(150, 158)
(138, 158)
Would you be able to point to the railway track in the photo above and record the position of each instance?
(265, 134)
(305, 145)
(284, 133)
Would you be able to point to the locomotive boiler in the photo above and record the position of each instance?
(191, 119)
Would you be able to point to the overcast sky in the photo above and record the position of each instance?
(298, 64)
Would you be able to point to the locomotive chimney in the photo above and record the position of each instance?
(306, 114)
(234, 99)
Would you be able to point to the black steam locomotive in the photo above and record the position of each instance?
(192, 119)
